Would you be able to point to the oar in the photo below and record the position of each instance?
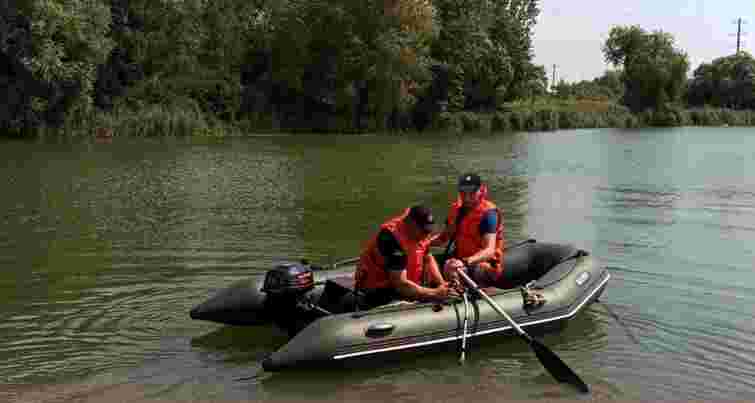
(345, 261)
(548, 358)
(332, 266)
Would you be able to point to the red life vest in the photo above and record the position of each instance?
(468, 238)
(371, 273)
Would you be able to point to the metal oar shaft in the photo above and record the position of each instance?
(345, 261)
(464, 334)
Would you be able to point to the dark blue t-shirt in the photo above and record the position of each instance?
(489, 222)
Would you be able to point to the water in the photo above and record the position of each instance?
(104, 247)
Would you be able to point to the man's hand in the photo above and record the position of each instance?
(450, 268)
(445, 291)
(450, 272)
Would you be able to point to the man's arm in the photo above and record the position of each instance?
(488, 228)
(442, 238)
(434, 277)
(486, 253)
(411, 290)
(395, 265)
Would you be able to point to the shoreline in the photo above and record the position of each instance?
(165, 122)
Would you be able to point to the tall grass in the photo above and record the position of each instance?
(543, 114)
(177, 119)
(184, 117)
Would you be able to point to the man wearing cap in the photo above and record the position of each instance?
(476, 226)
(396, 263)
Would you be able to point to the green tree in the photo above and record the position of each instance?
(192, 50)
(487, 45)
(654, 70)
(69, 40)
(382, 42)
(725, 82)
(609, 86)
(513, 28)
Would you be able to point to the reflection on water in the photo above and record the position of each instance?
(105, 247)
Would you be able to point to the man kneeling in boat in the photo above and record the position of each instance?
(396, 263)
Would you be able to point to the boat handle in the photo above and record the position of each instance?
(379, 329)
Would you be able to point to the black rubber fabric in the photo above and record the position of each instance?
(531, 261)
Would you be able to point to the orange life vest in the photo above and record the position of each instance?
(371, 273)
(468, 239)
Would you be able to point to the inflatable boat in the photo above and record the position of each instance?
(328, 324)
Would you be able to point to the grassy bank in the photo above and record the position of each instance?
(188, 119)
(544, 115)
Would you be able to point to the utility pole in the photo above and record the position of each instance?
(553, 81)
(739, 23)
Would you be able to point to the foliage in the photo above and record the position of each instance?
(194, 54)
(487, 43)
(383, 42)
(725, 82)
(608, 87)
(69, 40)
(654, 70)
(192, 49)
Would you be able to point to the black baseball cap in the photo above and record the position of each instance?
(469, 183)
(422, 216)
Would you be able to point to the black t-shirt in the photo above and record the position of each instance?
(390, 249)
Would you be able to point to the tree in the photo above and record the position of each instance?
(70, 39)
(382, 42)
(611, 84)
(725, 82)
(654, 70)
(606, 87)
(517, 19)
(487, 45)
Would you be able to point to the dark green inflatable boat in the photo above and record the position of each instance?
(328, 324)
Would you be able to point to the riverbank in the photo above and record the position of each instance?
(560, 115)
(529, 115)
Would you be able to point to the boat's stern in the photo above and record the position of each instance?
(241, 303)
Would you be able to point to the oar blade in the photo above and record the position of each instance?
(557, 368)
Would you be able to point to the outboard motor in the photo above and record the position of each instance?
(289, 280)
(289, 300)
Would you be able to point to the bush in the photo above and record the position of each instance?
(448, 121)
(501, 122)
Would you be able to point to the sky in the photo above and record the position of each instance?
(570, 33)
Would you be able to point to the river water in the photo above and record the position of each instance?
(105, 246)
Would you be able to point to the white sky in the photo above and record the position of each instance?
(571, 33)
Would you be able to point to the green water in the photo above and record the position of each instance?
(104, 247)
